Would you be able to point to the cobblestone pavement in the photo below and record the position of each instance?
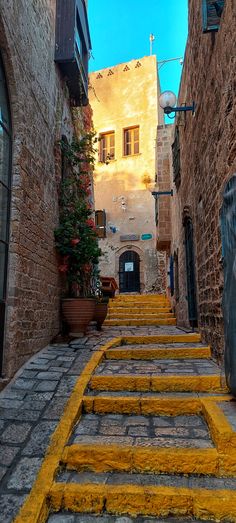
(158, 367)
(66, 518)
(161, 431)
(32, 404)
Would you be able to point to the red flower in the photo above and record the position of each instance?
(63, 268)
(90, 223)
(75, 241)
(87, 267)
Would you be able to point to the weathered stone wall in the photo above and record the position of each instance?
(125, 96)
(208, 160)
(40, 115)
(164, 184)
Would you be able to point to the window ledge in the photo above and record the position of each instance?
(108, 161)
(128, 155)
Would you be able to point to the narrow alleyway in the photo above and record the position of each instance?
(148, 433)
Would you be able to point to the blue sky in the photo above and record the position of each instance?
(120, 32)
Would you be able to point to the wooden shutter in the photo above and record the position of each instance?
(100, 222)
(211, 13)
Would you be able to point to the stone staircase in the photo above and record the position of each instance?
(150, 309)
(148, 434)
(155, 438)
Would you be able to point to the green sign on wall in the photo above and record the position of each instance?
(146, 236)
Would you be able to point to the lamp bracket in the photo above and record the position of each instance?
(168, 110)
(156, 194)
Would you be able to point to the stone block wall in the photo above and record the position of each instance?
(163, 181)
(41, 114)
(208, 160)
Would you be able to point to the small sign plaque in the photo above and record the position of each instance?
(146, 236)
(129, 237)
(129, 267)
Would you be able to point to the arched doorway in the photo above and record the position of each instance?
(5, 197)
(129, 272)
(228, 235)
(190, 272)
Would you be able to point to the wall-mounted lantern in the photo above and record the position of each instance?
(167, 101)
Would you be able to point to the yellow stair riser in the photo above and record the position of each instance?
(153, 354)
(167, 406)
(115, 458)
(136, 500)
(141, 297)
(173, 383)
(159, 321)
(160, 339)
(139, 310)
(139, 315)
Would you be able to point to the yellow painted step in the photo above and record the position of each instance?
(141, 297)
(142, 314)
(144, 406)
(140, 309)
(158, 353)
(134, 500)
(160, 338)
(120, 458)
(166, 406)
(159, 321)
(180, 383)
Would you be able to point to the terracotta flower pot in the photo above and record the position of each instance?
(78, 312)
(100, 313)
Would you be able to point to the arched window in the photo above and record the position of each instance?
(5, 195)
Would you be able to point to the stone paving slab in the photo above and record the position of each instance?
(194, 367)
(161, 431)
(63, 517)
(165, 480)
(30, 408)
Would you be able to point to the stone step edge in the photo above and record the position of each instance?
(160, 338)
(160, 353)
(181, 383)
(167, 406)
(139, 307)
(143, 314)
(136, 500)
(157, 460)
(159, 321)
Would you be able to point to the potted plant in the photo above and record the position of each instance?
(101, 306)
(76, 238)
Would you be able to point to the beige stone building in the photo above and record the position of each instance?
(124, 99)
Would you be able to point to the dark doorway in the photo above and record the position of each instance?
(5, 197)
(228, 234)
(129, 272)
(190, 273)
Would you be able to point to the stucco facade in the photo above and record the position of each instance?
(126, 97)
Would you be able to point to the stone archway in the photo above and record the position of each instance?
(140, 253)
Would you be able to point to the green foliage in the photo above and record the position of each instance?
(76, 238)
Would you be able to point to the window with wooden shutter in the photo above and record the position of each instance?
(211, 14)
(72, 47)
(176, 159)
(100, 223)
(107, 147)
(131, 141)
